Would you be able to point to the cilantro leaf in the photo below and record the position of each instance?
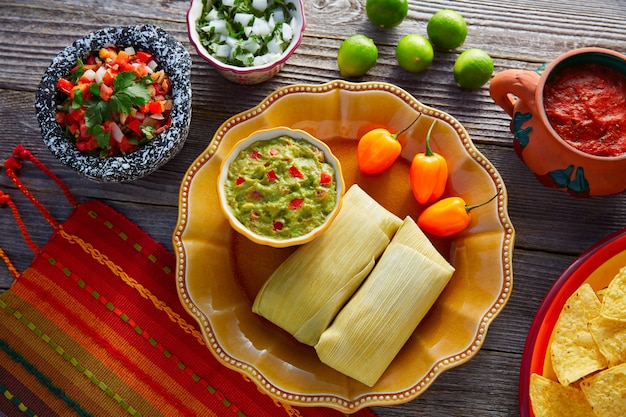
(123, 80)
(138, 94)
(97, 112)
(120, 103)
(128, 93)
(77, 103)
(102, 138)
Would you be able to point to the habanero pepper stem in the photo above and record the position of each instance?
(448, 216)
(378, 149)
(428, 173)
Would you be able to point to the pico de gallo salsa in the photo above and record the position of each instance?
(114, 101)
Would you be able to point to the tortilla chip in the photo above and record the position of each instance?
(573, 350)
(551, 399)
(610, 336)
(606, 392)
(614, 301)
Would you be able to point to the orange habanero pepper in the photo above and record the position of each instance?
(448, 216)
(428, 174)
(378, 149)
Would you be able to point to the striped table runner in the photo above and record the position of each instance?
(94, 327)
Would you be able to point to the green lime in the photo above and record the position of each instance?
(473, 68)
(447, 29)
(386, 13)
(414, 53)
(356, 55)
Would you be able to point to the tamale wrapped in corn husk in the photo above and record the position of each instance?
(372, 327)
(306, 291)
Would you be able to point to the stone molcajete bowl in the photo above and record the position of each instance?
(171, 57)
(553, 160)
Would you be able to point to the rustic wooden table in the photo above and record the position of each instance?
(552, 227)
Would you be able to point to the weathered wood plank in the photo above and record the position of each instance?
(552, 228)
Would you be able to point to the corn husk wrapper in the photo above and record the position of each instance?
(306, 291)
(373, 326)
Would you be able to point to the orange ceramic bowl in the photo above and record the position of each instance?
(597, 266)
(266, 135)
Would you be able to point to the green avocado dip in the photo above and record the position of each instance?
(281, 188)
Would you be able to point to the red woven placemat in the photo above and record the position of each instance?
(94, 327)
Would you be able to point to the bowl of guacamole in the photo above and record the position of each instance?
(280, 187)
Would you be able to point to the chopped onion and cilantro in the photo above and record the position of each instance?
(114, 101)
(246, 33)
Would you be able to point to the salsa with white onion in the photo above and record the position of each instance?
(246, 33)
(114, 101)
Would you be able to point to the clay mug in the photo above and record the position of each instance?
(555, 162)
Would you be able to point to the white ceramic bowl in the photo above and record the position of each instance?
(269, 134)
(246, 75)
(170, 55)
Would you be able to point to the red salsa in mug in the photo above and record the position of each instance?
(586, 106)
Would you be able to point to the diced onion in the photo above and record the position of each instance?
(116, 132)
(287, 33)
(251, 46)
(279, 16)
(258, 34)
(273, 47)
(222, 51)
(243, 18)
(130, 50)
(260, 27)
(260, 5)
(218, 26)
(213, 14)
(100, 73)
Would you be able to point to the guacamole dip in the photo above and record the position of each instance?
(281, 188)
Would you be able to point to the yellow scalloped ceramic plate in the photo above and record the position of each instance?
(219, 271)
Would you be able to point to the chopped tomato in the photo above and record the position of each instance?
(155, 107)
(326, 179)
(65, 85)
(76, 116)
(134, 125)
(240, 180)
(122, 58)
(108, 77)
(141, 111)
(271, 175)
(255, 154)
(144, 57)
(60, 118)
(107, 54)
(126, 147)
(295, 172)
(105, 92)
(296, 203)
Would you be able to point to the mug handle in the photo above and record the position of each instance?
(511, 85)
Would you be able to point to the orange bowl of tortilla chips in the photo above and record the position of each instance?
(574, 361)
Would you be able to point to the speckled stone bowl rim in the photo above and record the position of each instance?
(241, 73)
(171, 56)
